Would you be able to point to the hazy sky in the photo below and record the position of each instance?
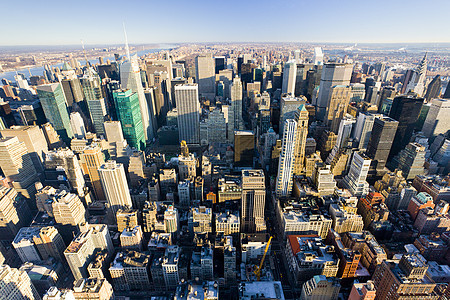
(59, 22)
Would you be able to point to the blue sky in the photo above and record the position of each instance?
(51, 22)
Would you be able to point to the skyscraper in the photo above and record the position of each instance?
(129, 114)
(337, 105)
(244, 147)
(14, 212)
(77, 125)
(380, 141)
(416, 84)
(332, 74)
(96, 103)
(405, 109)
(34, 141)
(301, 117)
(287, 159)
(363, 129)
(289, 77)
(355, 180)
(205, 75)
(16, 164)
(253, 201)
(288, 108)
(115, 185)
(92, 158)
(433, 89)
(236, 104)
(54, 105)
(318, 56)
(16, 284)
(188, 108)
(130, 78)
(438, 118)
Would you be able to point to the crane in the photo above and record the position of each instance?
(257, 272)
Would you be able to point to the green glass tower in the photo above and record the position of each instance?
(129, 115)
(54, 105)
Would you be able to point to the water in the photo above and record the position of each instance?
(40, 70)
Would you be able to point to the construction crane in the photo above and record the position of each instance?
(257, 272)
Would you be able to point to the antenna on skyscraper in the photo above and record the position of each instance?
(126, 42)
(85, 56)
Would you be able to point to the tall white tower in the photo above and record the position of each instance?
(287, 159)
(289, 77)
(188, 109)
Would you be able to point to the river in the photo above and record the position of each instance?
(40, 70)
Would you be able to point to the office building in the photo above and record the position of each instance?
(410, 161)
(170, 266)
(253, 201)
(129, 114)
(132, 238)
(417, 82)
(355, 180)
(323, 179)
(363, 291)
(363, 129)
(438, 118)
(171, 219)
(17, 166)
(93, 288)
(188, 108)
(318, 56)
(289, 77)
(77, 125)
(114, 183)
(16, 284)
(217, 126)
(289, 109)
(337, 105)
(130, 79)
(236, 121)
(244, 147)
(14, 212)
(405, 110)
(34, 141)
(380, 142)
(205, 75)
(130, 271)
(286, 161)
(126, 218)
(92, 158)
(228, 223)
(53, 103)
(402, 280)
(332, 74)
(301, 117)
(96, 103)
(200, 219)
(320, 287)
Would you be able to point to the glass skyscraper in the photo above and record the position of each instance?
(129, 115)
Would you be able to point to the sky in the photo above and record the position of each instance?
(66, 22)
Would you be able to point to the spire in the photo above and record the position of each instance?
(422, 67)
(126, 42)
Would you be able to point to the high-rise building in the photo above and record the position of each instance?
(14, 212)
(380, 141)
(130, 79)
(132, 238)
(323, 179)
(220, 63)
(54, 105)
(363, 291)
(129, 114)
(114, 183)
(301, 117)
(410, 161)
(405, 110)
(77, 125)
(320, 287)
(17, 166)
(253, 201)
(130, 271)
(96, 103)
(402, 280)
(356, 177)
(205, 75)
(417, 82)
(217, 126)
(236, 121)
(113, 131)
(332, 74)
(363, 129)
(337, 105)
(289, 77)
(286, 161)
(66, 159)
(16, 284)
(288, 109)
(438, 118)
(171, 219)
(188, 108)
(318, 56)
(92, 158)
(244, 147)
(433, 89)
